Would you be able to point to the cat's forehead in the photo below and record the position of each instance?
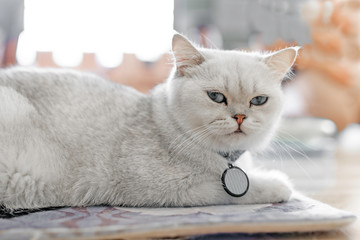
(236, 72)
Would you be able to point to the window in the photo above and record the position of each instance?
(108, 28)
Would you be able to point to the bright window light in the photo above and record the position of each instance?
(108, 28)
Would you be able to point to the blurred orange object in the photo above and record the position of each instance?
(329, 69)
(140, 75)
(132, 71)
(330, 73)
(327, 41)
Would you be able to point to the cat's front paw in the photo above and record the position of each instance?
(269, 187)
(280, 191)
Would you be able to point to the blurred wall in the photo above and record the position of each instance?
(242, 23)
(11, 25)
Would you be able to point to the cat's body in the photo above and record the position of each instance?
(74, 139)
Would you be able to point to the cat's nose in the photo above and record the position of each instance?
(239, 118)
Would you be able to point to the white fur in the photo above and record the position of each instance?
(74, 139)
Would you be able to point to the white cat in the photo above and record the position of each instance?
(74, 139)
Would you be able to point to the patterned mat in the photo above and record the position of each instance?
(300, 214)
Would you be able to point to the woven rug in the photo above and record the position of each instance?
(300, 214)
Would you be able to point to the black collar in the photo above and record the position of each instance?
(232, 156)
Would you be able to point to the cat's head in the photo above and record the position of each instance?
(228, 100)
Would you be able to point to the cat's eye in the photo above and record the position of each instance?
(258, 100)
(217, 97)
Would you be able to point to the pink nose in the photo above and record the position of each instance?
(239, 118)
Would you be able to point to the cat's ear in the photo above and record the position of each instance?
(281, 61)
(186, 55)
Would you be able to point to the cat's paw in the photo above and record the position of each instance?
(269, 187)
(279, 191)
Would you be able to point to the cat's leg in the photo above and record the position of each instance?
(265, 186)
(24, 170)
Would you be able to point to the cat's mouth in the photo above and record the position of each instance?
(237, 132)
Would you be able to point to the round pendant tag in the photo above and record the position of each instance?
(235, 181)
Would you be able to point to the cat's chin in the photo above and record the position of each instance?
(228, 145)
(238, 140)
(237, 133)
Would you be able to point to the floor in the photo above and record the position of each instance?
(334, 179)
(330, 173)
(343, 193)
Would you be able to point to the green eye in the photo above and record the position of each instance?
(258, 100)
(217, 97)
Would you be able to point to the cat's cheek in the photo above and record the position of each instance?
(254, 138)
(225, 128)
(249, 129)
(189, 118)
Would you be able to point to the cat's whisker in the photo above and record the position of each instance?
(296, 162)
(179, 146)
(188, 132)
(198, 137)
(281, 153)
(184, 143)
(264, 155)
(300, 149)
(183, 134)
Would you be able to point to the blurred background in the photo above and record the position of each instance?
(129, 42)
